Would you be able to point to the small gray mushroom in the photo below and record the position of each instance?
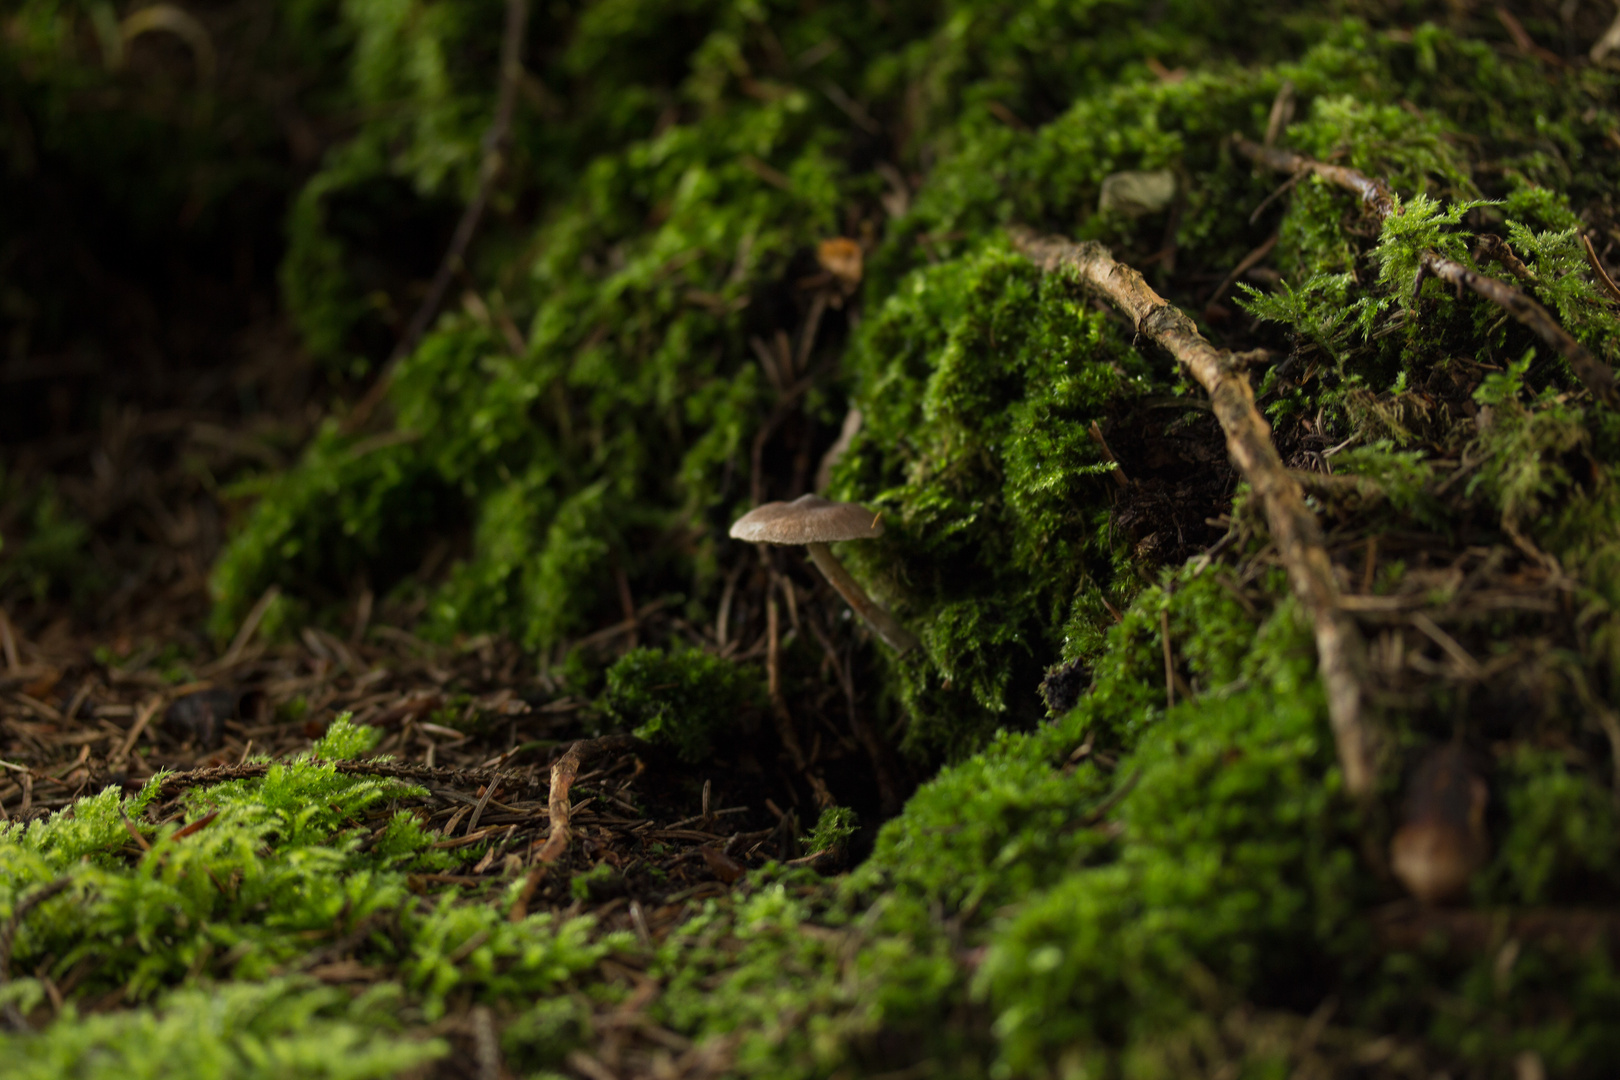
(815, 522)
(1442, 841)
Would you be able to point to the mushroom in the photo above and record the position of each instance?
(1442, 840)
(815, 522)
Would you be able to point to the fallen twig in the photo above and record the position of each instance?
(1247, 263)
(563, 772)
(1325, 486)
(1597, 269)
(1377, 197)
(142, 719)
(174, 783)
(1339, 647)
(1118, 472)
(486, 1046)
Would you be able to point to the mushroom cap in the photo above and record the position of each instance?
(809, 519)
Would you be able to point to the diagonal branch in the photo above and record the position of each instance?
(1376, 196)
(495, 143)
(1340, 650)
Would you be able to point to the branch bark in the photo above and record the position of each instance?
(1340, 650)
(1377, 197)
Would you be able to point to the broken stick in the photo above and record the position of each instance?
(1377, 197)
(563, 773)
(1340, 650)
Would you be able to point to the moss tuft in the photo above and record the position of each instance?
(682, 700)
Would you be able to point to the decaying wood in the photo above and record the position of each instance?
(1340, 650)
(1377, 197)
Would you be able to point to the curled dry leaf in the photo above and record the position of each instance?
(841, 257)
(723, 866)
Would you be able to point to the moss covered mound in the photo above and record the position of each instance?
(1150, 871)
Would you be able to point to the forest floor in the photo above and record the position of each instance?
(124, 687)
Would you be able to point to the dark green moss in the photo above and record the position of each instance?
(682, 700)
(977, 381)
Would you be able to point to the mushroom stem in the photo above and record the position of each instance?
(876, 615)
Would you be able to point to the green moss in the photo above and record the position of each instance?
(280, 1027)
(1103, 957)
(48, 551)
(302, 854)
(1560, 835)
(796, 995)
(1114, 891)
(636, 390)
(683, 700)
(329, 520)
(833, 829)
(977, 381)
(345, 739)
(543, 1034)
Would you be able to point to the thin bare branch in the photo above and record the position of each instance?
(1376, 195)
(1340, 650)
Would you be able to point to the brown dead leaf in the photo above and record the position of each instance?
(841, 257)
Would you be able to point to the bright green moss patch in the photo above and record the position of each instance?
(799, 997)
(276, 1028)
(303, 855)
(833, 829)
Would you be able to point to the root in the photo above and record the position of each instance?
(1340, 650)
(1376, 196)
